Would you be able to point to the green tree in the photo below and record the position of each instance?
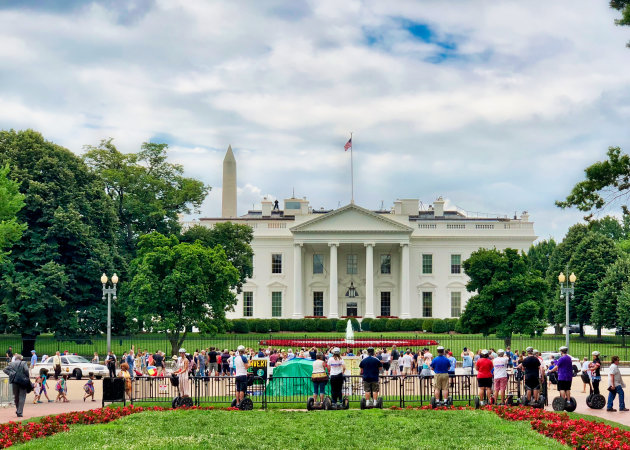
(50, 279)
(590, 260)
(11, 202)
(510, 294)
(148, 192)
(606, 298)
(624, 7)
(539, 255)
(623, 308)
(610, 227)
(234, 238)
(176, 286)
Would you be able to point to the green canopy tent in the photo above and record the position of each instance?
(293, 378)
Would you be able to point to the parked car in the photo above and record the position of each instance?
(73, 365)
(622, 332)
(574, 329)
(548, 356)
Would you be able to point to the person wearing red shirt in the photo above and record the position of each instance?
(484, 376)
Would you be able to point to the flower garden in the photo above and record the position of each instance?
(559, 427)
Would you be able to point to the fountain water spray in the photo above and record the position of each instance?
(349, 333)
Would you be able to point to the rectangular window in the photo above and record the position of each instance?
(427, 264)
(276, 304)
(352, 310)
(353, 265)
(427, 304)
(456, 304)
(456, 263)
(276, 263)
(248, 304)
(386, 264)
(386, 303)
(318, 263)
(318, 304)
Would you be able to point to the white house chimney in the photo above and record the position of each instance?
(266, 207)
(438, 207)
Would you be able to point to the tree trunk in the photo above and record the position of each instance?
(558, 329)
(176, 340)
(581, 330)
(28, 344)
(599, 333)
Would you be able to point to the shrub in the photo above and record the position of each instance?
(340, 327)
(240, 326)
(427, 325)
(365, 324)
(323, 325)
(262, 326)
(378, 325)
(407, 325)
(333, 324)
(440, 326)
(393, 325)
(310, 325)
(274, 325)
(460, 328)
(451, 324)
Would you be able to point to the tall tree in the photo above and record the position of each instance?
(234, 238)
(610, 227)
(11, 202)
(50, 281)
(149, 193)
(590, 260)
(539, 255)
(176, 286)
(623, 308)
(606, 298)
(510, 294)
(624, 7)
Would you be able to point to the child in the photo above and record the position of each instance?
(37, 389)
(43, 373)
(89, 388)
(62, 389)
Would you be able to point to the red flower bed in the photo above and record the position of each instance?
(356, 343)
(577, 433)
(15, 433)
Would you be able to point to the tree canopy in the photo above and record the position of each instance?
(606, 298)
(624, 7)
(174, 286)
(510, 294)
(11, 202)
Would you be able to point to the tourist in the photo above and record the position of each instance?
(532, 368)
(484, 375)
(493, 353)
(33, 358)
(110, 362)
(126, 376)
(441, 366)
(453, 365)
(213, 365)
(476, 357)
(89, 388)
(160, 364)
(44, 359)
(312, 353)
(508, 354)
(131, 361)
(62, 389)
(369, 368)
(183, 367)
(349, 352)
(57, 364)
(9, 354)
(37, 389)
(425, 363)
(43, 373)
(201, 362)
(500, 364)
(225, 363)
(290, 355)
(615, 386)
(95, 359)
(407, 361)
(385, 358)
(18, 371)
(595, 369)
(586, 374)
(467, 361)
(394, 358)
(240, 364)
(319, 377)
(337, 369)
(564, 367)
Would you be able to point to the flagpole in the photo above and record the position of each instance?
(351, 171)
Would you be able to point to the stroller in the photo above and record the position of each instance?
(593, 401)
(180, 401)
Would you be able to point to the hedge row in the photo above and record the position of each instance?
(241, 326)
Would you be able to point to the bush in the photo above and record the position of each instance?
(451, 324)
(427, 325)
(274, 325)
(393, 325)
(333, 324)
(356, 326)
(365, 324)
(297, 325)
(407, 325)
(324, 325)
(340, 327)
(440, 326)
(460, 328)
(240, 326)
(378, 325)
(262, 326)
(310, 325)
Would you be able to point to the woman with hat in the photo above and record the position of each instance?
(182, 371)
(595, 367)
(337, 369)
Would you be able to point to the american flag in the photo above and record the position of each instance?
(348, 144)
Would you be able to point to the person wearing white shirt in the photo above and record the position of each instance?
(615, 386)
(586, 374)
(407, 362)
(500, 364)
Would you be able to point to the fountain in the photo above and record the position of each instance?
(349, 333)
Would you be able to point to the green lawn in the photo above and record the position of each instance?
(291, 429)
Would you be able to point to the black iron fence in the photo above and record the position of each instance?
(402, 391)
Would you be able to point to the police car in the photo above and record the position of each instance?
(72, 365)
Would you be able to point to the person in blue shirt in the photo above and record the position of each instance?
(33, 358)
(370, 367)
(441, 366)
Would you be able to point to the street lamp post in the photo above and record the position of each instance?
(567, 290)
(109, 291)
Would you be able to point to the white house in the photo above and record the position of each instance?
(404, 262)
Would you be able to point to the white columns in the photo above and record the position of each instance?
(333, 310)
(297, 282)
(404, 282)
(369, 280)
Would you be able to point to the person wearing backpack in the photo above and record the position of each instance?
(20, 379)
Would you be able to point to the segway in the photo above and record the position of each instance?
(379, 404)
(246, 404)
(561, 404)
(593, 401)
(179, 401)
(436, 403)
(312, 405)
(479, 403)
(541, 398)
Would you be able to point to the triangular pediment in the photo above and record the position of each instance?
(351, 218)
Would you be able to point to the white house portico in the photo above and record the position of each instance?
(402, 262)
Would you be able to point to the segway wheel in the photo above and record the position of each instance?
(477, 403)
(524, 400)
(571, 405)
(509, 400)
(541, 402)
(449, 401)
(433, 402)
(176, 402)
(186, 402)
(598, 401)
(246, 404)
(589, 397)
(309, 404)
(233, 404)
(327, 404)
(379, 403)
(559, 404)
(346, 403)
(363, 403)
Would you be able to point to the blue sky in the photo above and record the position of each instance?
(497, 106)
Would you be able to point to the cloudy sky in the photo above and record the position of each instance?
(497, 106)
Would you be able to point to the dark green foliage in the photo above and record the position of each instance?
(240, 326)
(379, 325)
(439, 326)
(11, 202)
(324, 325)
(409, 325)
(451, 324)
(427, 325)
(274, 325)
(605, 299)
(365, 324)
(624, 7)
(310, 325)
(341, 326)
(393, 325)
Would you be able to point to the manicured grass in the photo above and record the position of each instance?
(290, 429)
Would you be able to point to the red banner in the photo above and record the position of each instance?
(342, 343)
